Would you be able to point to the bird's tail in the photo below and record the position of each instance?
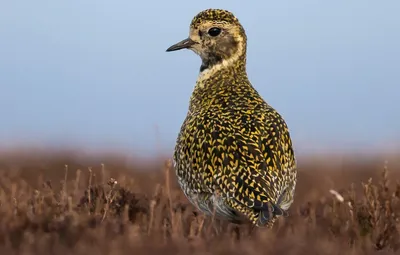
(270, 211)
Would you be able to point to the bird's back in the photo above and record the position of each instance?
(232, 143)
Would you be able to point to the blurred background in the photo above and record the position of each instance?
(95, 75)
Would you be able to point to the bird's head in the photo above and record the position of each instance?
(216, 36)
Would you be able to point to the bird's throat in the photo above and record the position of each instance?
(210, 62)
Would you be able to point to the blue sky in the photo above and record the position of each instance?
(95, 74)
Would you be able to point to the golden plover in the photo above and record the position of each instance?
(233, 156)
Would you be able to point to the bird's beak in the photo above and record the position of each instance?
(184, 44)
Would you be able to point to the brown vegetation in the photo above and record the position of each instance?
(65, 204)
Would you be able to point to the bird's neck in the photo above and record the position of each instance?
(220, 80)
(219, 68)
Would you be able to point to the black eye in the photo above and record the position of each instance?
(214, 31)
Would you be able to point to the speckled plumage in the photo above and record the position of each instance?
(233, 155)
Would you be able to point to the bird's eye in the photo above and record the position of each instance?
(214, 31)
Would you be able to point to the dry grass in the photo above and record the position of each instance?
(63, 204)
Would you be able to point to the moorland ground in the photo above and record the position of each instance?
(69, 203)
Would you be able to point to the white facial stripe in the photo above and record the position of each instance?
(207, 73)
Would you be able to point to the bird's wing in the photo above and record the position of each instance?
(254, 165)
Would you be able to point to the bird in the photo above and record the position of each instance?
(233, 157)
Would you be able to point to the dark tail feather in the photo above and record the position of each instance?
(269, 212)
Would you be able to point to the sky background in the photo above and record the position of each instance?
(95, 74)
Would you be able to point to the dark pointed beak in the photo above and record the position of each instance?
(182, 45)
